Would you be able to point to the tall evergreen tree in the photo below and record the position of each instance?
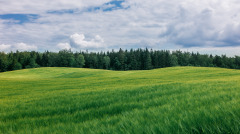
(147, 60)
(3, 62)
(45, 59)
(173, 61)
(65, 58)
(121, 58)
(106, 62)
(117, 64)
(79, 60)
(133, 64)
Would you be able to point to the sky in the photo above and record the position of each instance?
(205, 26)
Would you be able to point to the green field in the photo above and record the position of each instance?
(73, 100)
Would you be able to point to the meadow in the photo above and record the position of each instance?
(76, 100)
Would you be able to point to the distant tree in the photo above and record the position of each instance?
(3, 62)
(106, 62)
(32, 63)
(138, 59)
(168, 59)
(155, 59)
(217, 61)
(100, 60)
(17, 66)
(162, 59)
(147, 60)
(173, 61)
(93, 60)
(237, 62)
(133, 64)
(117, 64)
(39, 59)
(65, 58)
(53, 59)
(11, 61)
(230, 62)
(121, 59)
(112, 56)
(87, 59)
(45, 59)
(14, 65)
(79, 61)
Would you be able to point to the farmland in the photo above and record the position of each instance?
(76, 100)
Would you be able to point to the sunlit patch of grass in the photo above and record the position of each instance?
(72, 100)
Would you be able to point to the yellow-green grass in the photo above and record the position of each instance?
(73, 100)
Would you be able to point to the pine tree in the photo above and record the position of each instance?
(3, 62)
(117, 64)
(121, 58)
(147, 60)
(45, 59)
(79, 60)
(133, 64)
(106, 62)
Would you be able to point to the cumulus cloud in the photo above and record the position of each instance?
(158, 24)
(24, 47)
(18, 46)
(204, 23)
(79, 41)
(63, 46)
(4, 47)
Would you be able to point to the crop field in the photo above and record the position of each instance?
(75, 100)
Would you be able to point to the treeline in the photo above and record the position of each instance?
(140, 59)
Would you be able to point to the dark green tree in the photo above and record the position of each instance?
(117, 64)
(121, 59)
(173, 61)
(32, 63)
(3, 62)
(45, 59)
(65, 58)
(106, 62)
(79, 61)
(147, 60)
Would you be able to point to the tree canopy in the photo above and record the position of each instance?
(139, 59)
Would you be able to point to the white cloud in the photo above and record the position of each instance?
(24, 47)
(4, 47)
(99, 39)
(79, 41)
(18, 46)
(204, 23)
(63, 46)
(229, 51)
(161, 24)
(36, 6)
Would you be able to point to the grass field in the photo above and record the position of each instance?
(72, 100)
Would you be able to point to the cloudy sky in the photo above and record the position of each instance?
(207, 26)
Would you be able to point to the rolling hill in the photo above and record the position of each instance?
(76, 100)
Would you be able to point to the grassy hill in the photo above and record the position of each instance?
(168, 100)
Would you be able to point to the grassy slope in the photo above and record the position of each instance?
(169, 100)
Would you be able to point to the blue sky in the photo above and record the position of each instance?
(19, 18)
(29, 18)
(207, 26)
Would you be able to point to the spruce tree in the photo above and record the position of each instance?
(147, 60)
